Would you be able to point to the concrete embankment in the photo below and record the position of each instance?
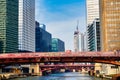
(116, 77)
(7, 76)
(101, 75)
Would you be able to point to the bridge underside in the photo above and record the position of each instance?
(77, 59)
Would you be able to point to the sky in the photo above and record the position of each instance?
(60, 18)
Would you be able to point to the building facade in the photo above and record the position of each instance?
(94, 40)
(8, 26)
(76, 40)
(58, 45)
(43, 39)
(92, 10)
(110, 30)
(81, 45)
(94, 36)
(26, 25)
(110, 24)
(83, 42)
(92, 13)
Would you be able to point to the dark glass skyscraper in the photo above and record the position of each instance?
(94, 36)
(43, 39)
(8, 26)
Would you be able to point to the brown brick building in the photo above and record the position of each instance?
(110, 24)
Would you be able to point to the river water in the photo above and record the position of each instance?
(62, 76)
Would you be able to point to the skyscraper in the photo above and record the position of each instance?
(110, 29)
(76, 40)
(92, 13)
(27, 25)
(92, 10)
(110, 24)
(58, 45)
(94, 36)
(43, 38)
(8, 26)
(83, 43)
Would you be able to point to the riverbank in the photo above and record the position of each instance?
(7, 76)
(110, 77)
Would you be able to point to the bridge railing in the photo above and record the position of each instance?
(60, 54)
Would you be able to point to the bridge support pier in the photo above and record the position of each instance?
(0, 70)
(35, 69)
(73, 70)
(91, 72)
(62, 70)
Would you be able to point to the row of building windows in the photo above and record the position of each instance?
(111, 14)
(115, 20)
(112, 3)
(113, 25)
(113, 35)
(112, 8)
(113, 30)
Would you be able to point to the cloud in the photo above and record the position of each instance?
(40, 10)
(64, 30)
(61, 21)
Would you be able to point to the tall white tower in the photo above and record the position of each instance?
(76, 39)
(27, 25)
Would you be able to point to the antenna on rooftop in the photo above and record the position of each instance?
(77, 24)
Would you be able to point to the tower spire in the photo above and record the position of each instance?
(77, 24)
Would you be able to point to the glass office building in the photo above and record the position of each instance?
(57, 45)
(8, 26)
(43, 39)
(26, 26)
(94, 36)
(92, 12)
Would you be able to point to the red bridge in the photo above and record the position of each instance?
(62, 57)
(66, 65)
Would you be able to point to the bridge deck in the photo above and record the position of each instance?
(99, 57)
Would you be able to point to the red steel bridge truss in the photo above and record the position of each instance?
(60, 57)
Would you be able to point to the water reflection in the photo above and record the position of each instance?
(62, 76)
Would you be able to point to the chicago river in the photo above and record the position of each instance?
(62, 76)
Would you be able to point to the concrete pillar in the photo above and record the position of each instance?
(83, 70)
(91, 72)
(0, 70)
(79, 70)
(62, 70)
(34, 69)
